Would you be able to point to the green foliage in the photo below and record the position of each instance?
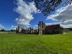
(36, 44)
(2, 30)
(47, 6)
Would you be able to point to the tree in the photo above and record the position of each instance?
(3, 30)
(46, 6)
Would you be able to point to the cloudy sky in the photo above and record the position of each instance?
(25, 13)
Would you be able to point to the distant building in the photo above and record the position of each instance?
(49, 29)
(18, 29)
(42, 29)
(53, 29)
(30, 30)
(36, 31)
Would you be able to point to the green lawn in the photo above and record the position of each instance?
(36, 44)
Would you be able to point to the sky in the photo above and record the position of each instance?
(24, 13)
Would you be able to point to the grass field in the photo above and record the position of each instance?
(36, 44)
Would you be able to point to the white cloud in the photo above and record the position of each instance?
(67, 24)
(26, 11)
(1, 27)
(58, 13)
(35, 27)
(63, 15)
(13, 27)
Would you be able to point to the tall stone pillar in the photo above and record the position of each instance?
(41, 26)
(40, 30)
(19, 29)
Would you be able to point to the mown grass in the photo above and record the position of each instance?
(36, 44)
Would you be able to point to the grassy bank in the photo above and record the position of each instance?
(35, 44)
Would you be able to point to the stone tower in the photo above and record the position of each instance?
(41, 27)
(19, 29)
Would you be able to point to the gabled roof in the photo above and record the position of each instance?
(52, 26)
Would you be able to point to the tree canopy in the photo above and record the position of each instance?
(46, 6)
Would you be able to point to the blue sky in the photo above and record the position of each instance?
(7, 15)
(9, 12)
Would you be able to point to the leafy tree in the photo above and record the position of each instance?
(46, 6)
(12, 30)
(3, 30)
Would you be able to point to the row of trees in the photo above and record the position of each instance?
(3, 30)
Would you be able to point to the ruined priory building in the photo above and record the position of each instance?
(49, 29)
(42, 29)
